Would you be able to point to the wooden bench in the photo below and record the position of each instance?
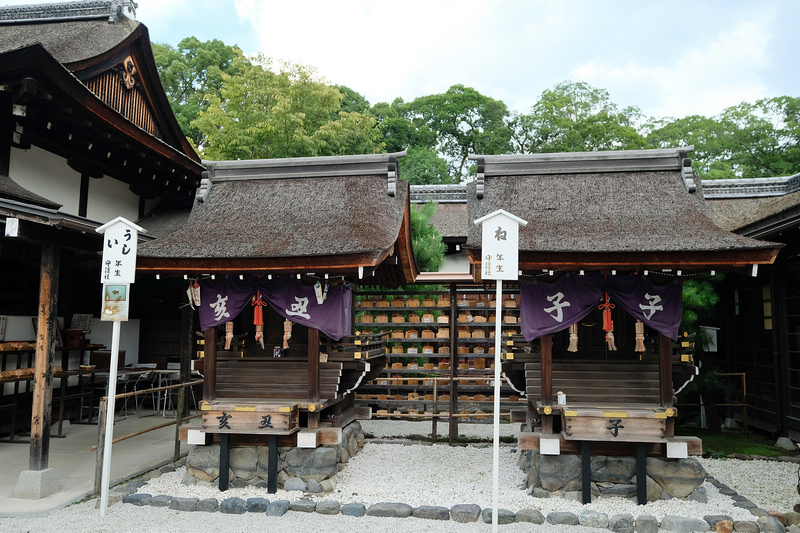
(274, 378)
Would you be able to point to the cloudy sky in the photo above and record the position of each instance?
(669, 58)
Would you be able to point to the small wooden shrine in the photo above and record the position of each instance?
(610, 237)
(271, 251)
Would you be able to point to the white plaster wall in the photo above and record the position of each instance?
(47, 175)
(457, 262)
(109, 199)
(20, 328)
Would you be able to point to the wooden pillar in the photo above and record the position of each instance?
(187, 341)
(665, 379)
(45, 351)
(210, 364)
(453, 408)
(547, 380)
(313, 376)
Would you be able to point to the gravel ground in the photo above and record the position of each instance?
(417, 474)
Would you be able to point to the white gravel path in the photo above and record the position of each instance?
(417, 474)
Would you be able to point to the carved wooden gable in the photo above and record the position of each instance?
(121, 88)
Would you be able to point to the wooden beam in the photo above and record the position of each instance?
(688, 260)
(313, 365)
(529, 440)
(45, 351)
(210, 364)
(665, 379)
(547, 380)
(339, 263)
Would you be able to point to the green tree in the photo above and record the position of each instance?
(352, 102)
(465, 122)
(576, 117)
(425, 238)
(192, 70)
(262, 113)
(400, 132)
(747, 140)
(423, 166)
(707, 135)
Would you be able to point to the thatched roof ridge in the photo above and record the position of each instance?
(630, 202)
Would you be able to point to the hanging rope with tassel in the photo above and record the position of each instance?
(608, 323)
(258, 317)
(573, 338)
(639, 337)
(228, 335)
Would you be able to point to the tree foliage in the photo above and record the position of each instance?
(429, 249)
(746, 140)
(575, 117)
(262, 113)
(423, 166)
(191, 71)
(465, 122)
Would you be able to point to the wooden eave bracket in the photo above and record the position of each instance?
(480, 182)
(688, 175)
(391, 176)
(205, 187)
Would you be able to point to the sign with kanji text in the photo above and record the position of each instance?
(119, 251)
(500, 245)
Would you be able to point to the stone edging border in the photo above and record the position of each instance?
(765, 521)
(463, 513)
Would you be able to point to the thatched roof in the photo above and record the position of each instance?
(69, 41)
(291, 214)
(451, 210)
(11, 190)
(752, 206)
(607, 209)
(451, 221)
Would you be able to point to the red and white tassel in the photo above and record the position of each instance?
(258, 317)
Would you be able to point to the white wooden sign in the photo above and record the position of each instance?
(500, 245)
(119, 251)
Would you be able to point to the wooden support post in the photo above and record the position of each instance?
(210, 364)
(187, 343)
(313, 418)
(453, 420)
(272, 465)
(313, 365)
(225, 460)
(665, 380)
(178, 422)
(586, 472)
(641, 474)
(546, 351)
(101, 445)
(45, 351)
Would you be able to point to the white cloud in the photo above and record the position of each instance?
(703, 80)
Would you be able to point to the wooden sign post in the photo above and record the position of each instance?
(120, 237)
(499, 261)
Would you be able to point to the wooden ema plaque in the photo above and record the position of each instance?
(616, 425)
(253, 419)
